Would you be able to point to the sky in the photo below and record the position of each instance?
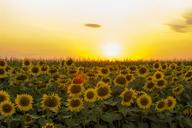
(96, 29)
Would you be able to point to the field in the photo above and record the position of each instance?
(95, 94)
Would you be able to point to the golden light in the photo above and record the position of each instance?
(112, 49)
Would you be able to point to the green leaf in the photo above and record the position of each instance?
(110, 117)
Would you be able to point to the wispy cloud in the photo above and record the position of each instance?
(184, 25)
(92, 25)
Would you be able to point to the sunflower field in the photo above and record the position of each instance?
(95, 94)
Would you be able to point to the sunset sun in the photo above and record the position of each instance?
(112, 49)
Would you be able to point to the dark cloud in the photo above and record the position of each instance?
(183, 26)
(91, 25)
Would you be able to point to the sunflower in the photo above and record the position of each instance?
(173, 66)
(3, 73)
(51, 102)
(4, 96)
(69, 62)
(144, 101)
(104, 71)
(158, 75)
(142, 71)
(27, 119)
(21, 77)
(157, 65)
(75, 104)
(188, 75)
(44, 68)
(90, 95)
(149, 86)
(170, 102)
(160, 106)
(7, 108)
(129, 78)
(128, 95)
(178, 89)
(24, 102)
(52, 70)
(103, 91)
(35, 70)
(120, 80)
(164, 66)
(3, 63)
(75, 89)
(187, 112)
(106, 79)
(162, 83)
(26, 63)
(132, 68)
(49, 125)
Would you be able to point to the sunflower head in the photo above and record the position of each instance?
(142, 71)
(128, 95)
(178, 89)
(51, 102)
(187, 112)
(26, 63)
(104, 71)
(35, 70)
(90, 95)
(44, 68)
(170, 102)
(27, 119)
(162, 83)
(24, 102)
(4, 96)
(120, 80)
(103, 91)
(75, 104)
(3, 73)
(132, 68)
(69, 62)
(3, 63)
(149, 86)
(7, 108)
(20, 77)
(75, 89)
(161, 105)
(49, 125)
(144, 101)
(129, 77)
(158, 75)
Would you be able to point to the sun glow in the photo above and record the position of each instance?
(112, 49)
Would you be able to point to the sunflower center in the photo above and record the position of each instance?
(169, 103)
(156, 65)
(150, 85)
(128, 77)
(132, 68)
(90, 95)
(26, 63)
(75, 103)
(51, 102)
(160, 82)
(121, 80)
(44, 68)
(161, 105)
(7, 108)
(104, 71)
(2, 71)
(75, 89)
(127, 96)
(24, 101)
(35, 70)
(102, 91)
(158, 75)
(144, 101)
(28, 119)
(142, 70)
(52, 70)
(2, 63)
(69, 62)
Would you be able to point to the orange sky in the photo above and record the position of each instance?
(158, 29)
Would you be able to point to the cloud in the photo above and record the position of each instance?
(91, 25)
(184, 25)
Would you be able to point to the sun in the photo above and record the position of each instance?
(111, 49)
